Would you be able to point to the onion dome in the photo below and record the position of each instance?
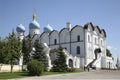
(34, 24)
(48, 28)
(20, 28)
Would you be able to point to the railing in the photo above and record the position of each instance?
(67, 53)
(96, 61)
(90, 64)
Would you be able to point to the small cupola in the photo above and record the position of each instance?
(68, 25)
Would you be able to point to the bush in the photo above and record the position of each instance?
(71, 70)
(35, 68)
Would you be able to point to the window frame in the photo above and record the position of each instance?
(78, 50)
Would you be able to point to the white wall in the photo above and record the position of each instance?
(91, 45)
(7, 68)
(20, 35)
(78, 30)
(67, 46)
(54, 35)
(82, 62)
(107, 62)
(65, 38)
(34, 31)
(45, 38)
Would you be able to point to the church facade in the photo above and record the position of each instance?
(83, 45)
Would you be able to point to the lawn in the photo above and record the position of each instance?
(8, 75)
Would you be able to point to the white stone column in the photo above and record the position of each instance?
(47, 51)
(21, 61)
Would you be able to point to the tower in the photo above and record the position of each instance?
(68, 25)
(34, 26)
(20, 31)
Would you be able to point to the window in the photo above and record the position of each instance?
(65, 48)
(88, 38)
(78, 38)
(101, 43)
(55, 41)
(78, 49)
(95, 41)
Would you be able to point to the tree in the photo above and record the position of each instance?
(59, 64)
(39, 53)
(2, 52)
(26, 49)
(108, 53)
(26, 55)
(13, 49)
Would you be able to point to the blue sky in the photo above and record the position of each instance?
(104, 13)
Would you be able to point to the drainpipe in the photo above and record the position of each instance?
(70, 42)
(84, 49)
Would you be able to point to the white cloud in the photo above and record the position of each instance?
(109, 47)
(112, 48)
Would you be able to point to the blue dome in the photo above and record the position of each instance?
(20, 28)
(48, 28)
(34, 25)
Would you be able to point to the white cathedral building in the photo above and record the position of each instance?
(83, 45)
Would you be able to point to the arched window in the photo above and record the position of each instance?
(88, 38)
(65, 48)
(55, 41)
(78, 49)
(70, 63)
(101, 43)
(95, 40)
(78, 38)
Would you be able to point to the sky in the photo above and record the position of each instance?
(104, 13)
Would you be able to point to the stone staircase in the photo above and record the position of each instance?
(91, 63)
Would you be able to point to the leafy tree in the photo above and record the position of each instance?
(108, 53)
(13, 49)
(39, 53)
(59, 64)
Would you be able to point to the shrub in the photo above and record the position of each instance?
(35, 68)
(71, 70)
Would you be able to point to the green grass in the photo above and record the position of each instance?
(8, 75)
(79, 70)
(52, 73)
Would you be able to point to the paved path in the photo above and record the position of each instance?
(92, 75)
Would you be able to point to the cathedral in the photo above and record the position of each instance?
(83, 45)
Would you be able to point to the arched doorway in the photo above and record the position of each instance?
(70, 63)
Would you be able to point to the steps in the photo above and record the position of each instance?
(90, 64)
